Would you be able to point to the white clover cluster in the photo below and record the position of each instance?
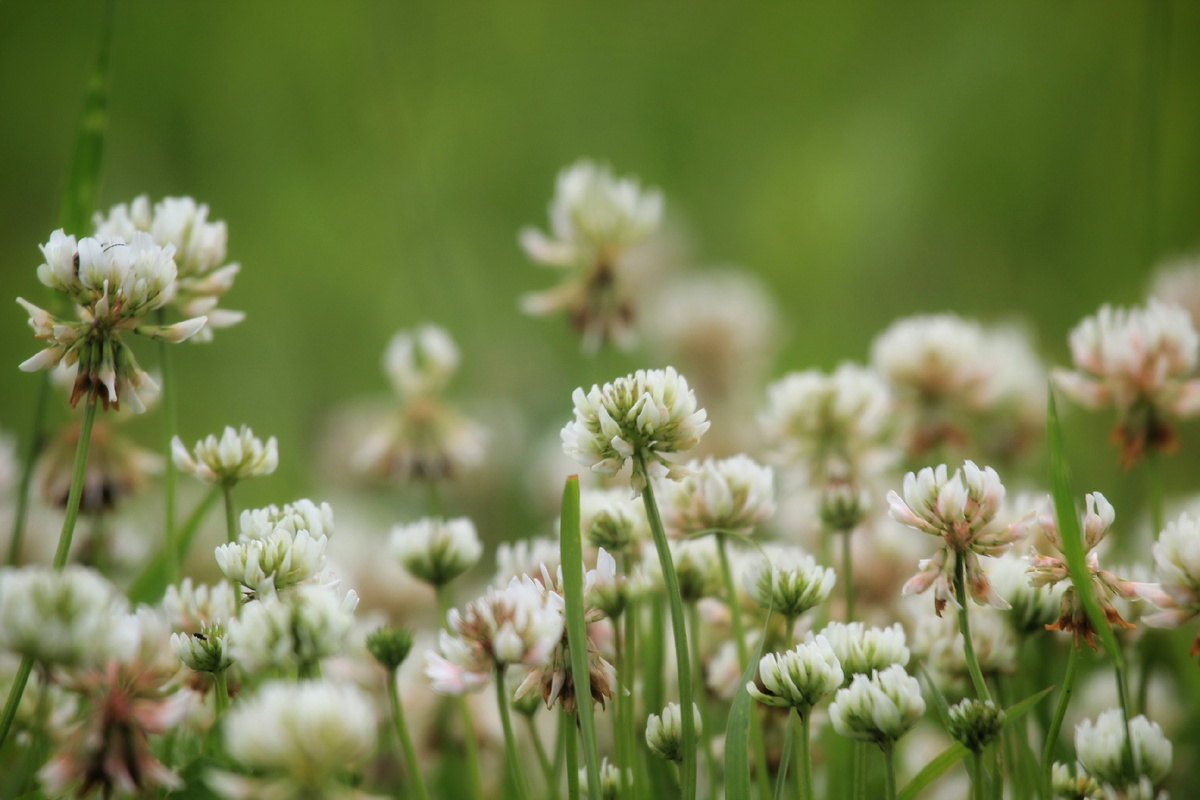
(436, 550)
(1066, 785)
(935, 356)
(697, 567)
(799, 678)
(862, 650)
(1100, 749)
(267, 562)
(1177, 564)
(190, 605)
(610, 519)
(642, 417)
(299, 628)
(880, 708)
(525, 557)
(237, 455)
(937, 641)
(302, 736)
(206, 650)
(788, 580)
(729, 494)
(421, 362)
(114, 284)
(301, 515)
(664, 732)
(1033, 607)
(64, 618)
(203, 277)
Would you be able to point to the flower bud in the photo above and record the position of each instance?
(664, 733)
(390, 646)
(974, 723)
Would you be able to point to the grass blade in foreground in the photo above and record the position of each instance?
(737, 729)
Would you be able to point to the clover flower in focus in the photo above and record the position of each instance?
(963, 510)
(293, 630)
(206, 650)
(642, 417)
(862, 650)
(237, 455)
(730, 494)
(880, 708)
(435, 550)
(203, 278)
(268, 563)
(595, 218)
(799, 678)
(424, 438)
(299, 739)
(114, 284)
(1104, 586)
(300, 515)
(1177, 564)
(788, 580)
(664, 732)
(1138, 361)
(61, 618)
(1100, 750)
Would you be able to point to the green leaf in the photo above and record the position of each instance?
(956, 752)
(939, 699)
(1067, 517)
(572, 569)
(737, 729)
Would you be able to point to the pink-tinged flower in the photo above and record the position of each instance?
(1177, 562)
(1138, 361)
(962, 509)
(1049, 570)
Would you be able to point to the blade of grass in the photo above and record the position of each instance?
(737, 729)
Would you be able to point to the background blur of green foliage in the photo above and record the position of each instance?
(375, 160)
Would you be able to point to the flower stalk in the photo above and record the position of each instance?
(410, 754)
(1060, 711)
(474, 779)
(964, 628)
(513, 756)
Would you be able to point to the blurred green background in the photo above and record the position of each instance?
(375, 160)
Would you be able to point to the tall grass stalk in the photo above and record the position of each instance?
(474, 779)
(512, 755)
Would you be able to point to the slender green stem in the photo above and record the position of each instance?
(1064, 698)
(220, 692)
(629, 737)
(848, 575)
(706, 721)
(231, 524)
(1123, 695)
(171, 475)
(36, 440)
(977, 791)
(310, 670)
(572, 751)
(687, 783)
(81, 452)
(810, 791)
(858, 771)
(960, 592)
(1154, 488)
(474, 779)
(410, 754)
(542, 757)
(762, 775)
(793, 762)
(889, 764)
(14, 697)
(997, 772)
(510, 739)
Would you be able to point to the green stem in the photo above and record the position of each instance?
(1123, 695)
(964, 628)
(310, 670)
(542, 757)
(171, 476)
(706, 722)
(473, 775)
(762, 775)
(220, 692)
(36, 440)
(14, 697)
(889, 763)
(231, 524)
(848, 575)
(687, 782)
(977, 777)
(572, 751)
(628, 667)
(1060, 711)
(810, 791)
(410, 754)
(510, 740)
(997, 772)
(858, 771)
(1154, 489)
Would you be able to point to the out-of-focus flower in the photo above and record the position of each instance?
(525, 557)
(610, 780)
(1066, 785)
(880, 708)
(939, 644)
(788, 580)
(237, 455)
(297, 629)
(595, 218)
(421, 362)
(664, 733)
(862, 650)
(843, 506)
(1137, 361)
(390, 646)
(799, 678)
(610, 519)
(975, 723)
(116, 468)
(1032, 607)
(962, 509)
(1177, 563)
(435, 550)
(199, 245)
(730, 494)
(189, 606)
(1177, 282)
(58, 617)
(1100, 748)
(643, 417)
(114, 284)
(697, 568)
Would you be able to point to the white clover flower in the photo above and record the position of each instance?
(1138, 361)
(525, 557)
(788, 580)
(114, 284)
(880, 709)
(732, 494)
(610, 780)
(278, 561)
(962, 509)
(610, 519)
(302, 515)
(206, 650)
(436, 550)
(862, 650)
(834, 426)
(937, 641)
(935, 356)
(642, 416)
(199, 251)
(799, 678)
(595, 218)
(1065, 785)
(306, 734)
(64, 618)
(296, 629)
(1177, 282)
(697, 568)
(237, 455)
(1177, 563)
(1033, 607)
(190, 606)
(664, 734)
(420, 362)
(975, 723)
(1100, 749)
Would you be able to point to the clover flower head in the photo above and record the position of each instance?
(206, 650)
(277, 561)
(664, 733)
(934, 356)
(862, 650)
(799, 678)
(435, 550)
(1177, 564)
(301, 515)
(1136, 360)
(732, 494)
(421, 362)
(1100, 747)
(525, 557)
(64, 618)
(643, 417)
(390, 646)
(697, 568)
(1033, 607)
(299, 628)
(880, 708)
(788, 580)
(938, 642)
(975, 723)
(1066, 785)
(610, 780)
(237, 455)
(1177, 282)
(610, 519)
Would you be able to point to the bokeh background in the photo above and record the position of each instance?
(374, 161)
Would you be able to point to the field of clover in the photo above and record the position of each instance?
(878, 581)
